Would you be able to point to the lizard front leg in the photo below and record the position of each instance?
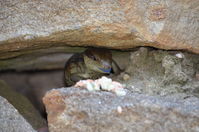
(78, 77)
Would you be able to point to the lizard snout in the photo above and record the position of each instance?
(106, 67)
(106, 70)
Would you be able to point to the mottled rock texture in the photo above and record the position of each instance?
(23, 106)
(77, 110)
(158, 72)
(120, 24)
(11, 120)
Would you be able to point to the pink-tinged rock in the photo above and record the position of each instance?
(78, 110)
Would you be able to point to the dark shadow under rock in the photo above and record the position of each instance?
(23, 106)
(34, 85)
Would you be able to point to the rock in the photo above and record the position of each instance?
(51, 58)
(11, 120)
(125, 77)
(23, 106)
(197, 76)
(158, 72)
(78, 110)
(27, 26)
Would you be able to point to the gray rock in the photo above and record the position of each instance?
(50, 58)
(11, 120)
(27, 26)
(77, 110)
(158, 72)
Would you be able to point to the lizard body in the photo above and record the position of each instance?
(91, 64)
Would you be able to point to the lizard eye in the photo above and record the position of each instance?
(93, 58)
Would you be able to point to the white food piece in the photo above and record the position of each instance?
(179, 55)
(103, 83)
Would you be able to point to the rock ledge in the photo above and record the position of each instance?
(77, 110)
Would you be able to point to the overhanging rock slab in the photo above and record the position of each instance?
(117, 24)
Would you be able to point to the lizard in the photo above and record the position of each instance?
(93, 63)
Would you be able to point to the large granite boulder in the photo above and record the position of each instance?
(78, 110)
(27, 26)
(11, 120)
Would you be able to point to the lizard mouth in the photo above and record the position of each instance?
(105, 70)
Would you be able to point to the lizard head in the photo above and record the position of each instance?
(98, 60)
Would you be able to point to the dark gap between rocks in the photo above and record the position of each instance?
(34, 84)
(147, 71)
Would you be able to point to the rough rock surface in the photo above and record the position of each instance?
(30, 25)
(77, 110)
(11, 120)
(158, 72)
(23, 106)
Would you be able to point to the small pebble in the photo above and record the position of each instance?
(179, 55)
(126, 77)
(119, 109)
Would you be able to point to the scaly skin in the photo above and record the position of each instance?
(91, 64)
